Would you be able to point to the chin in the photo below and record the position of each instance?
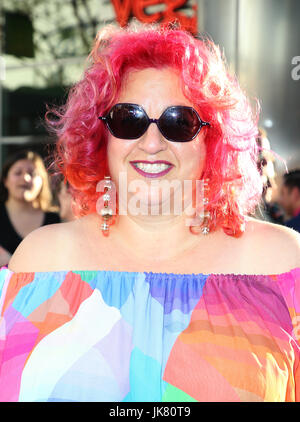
(21, 198)
(30, 196)
(153, 205)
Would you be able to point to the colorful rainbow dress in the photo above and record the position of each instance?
(114, 336)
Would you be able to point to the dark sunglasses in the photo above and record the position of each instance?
(130, 121)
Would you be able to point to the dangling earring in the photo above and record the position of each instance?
(106, 212)
(206, 214)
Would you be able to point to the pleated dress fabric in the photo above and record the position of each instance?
(116, 336)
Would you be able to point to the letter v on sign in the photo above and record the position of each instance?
(122, 9)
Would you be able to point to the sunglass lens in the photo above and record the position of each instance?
(127, 121)
(179, 123)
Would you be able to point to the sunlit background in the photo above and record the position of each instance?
(44, 44)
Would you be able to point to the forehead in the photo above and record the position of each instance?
(23, 164)
(154, 84)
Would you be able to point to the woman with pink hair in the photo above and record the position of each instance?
(164, 288)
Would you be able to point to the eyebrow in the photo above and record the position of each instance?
(21, 168)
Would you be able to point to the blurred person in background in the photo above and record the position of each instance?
(65, 201)
(290, 198)
(25, 200)
(268, 209)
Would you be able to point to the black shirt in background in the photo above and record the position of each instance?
(9, 238)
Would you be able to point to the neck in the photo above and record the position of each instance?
(16, 205)
(68, 217)
(161, 238)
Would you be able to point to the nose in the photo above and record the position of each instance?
(152, 141)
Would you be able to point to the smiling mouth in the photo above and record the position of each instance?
(156, 169)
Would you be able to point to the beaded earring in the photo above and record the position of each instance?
(205, 214)
(106, 211)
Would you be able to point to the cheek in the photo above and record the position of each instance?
(111, 150)
(10, 181)
(192, 156)
(117, 151)
(112, 158)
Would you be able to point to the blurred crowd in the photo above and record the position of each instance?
(280, 201)
(31, 198)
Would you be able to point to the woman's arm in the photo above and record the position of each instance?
(4, 256)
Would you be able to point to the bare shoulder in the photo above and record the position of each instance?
(275, 244)
(46, 248)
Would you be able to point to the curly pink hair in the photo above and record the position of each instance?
(232, 152)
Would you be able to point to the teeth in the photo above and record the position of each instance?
(152, 168)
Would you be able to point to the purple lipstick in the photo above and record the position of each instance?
(152, 169)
